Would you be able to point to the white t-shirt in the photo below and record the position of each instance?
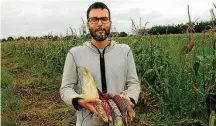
(101, 50)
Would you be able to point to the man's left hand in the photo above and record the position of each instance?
(129, 99)
(131, 104)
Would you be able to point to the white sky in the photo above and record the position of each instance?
(42, 17)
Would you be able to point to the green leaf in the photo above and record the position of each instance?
(212, 118)
(201, 58)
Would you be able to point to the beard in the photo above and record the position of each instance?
(99, 37)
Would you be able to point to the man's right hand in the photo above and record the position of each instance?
(88, 103)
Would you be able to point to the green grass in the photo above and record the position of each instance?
(28, 84)
(8, 100)
(7, 92)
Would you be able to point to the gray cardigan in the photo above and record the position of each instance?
(120, 73)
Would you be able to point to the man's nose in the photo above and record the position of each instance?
(99, 22)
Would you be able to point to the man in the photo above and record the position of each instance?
(111, 64)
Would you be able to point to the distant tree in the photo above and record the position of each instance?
(70, 37)
(123, 34)
(10, 38)
(202, 26)
(130, 35)
(34, 38)
(48, 37)
(55, 38)
(180, 28)
(37, 38)
(114, 34)
(28, 38)
(3, 40)
(20, 38)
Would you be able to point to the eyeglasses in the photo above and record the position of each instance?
(95, 20)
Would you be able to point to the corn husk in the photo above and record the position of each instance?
(90, 91)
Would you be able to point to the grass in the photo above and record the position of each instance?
(30, 91)
(9, 102)
(176, 80)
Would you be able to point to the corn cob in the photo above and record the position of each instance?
(116, 114)
(130, 111)
(105, 105)
(107, 96)
(126, 100)
(107, 109)
(101, 111)
(121, 106)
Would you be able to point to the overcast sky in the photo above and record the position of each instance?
(42, 17)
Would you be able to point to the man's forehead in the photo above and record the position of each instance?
(99, 12)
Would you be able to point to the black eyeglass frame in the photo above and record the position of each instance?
(97, 20)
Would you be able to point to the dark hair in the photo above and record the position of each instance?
(97, 5)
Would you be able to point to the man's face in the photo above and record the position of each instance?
(99, 29)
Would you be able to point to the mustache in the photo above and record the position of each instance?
(100, 29)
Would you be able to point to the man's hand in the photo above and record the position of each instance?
(123, 93)
(131, 104)
(88, 103)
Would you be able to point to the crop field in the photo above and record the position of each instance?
(175, 78)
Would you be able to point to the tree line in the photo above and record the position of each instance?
(198, 27)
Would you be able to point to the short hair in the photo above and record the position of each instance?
(97, 5)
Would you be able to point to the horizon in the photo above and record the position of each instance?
(64, 35)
